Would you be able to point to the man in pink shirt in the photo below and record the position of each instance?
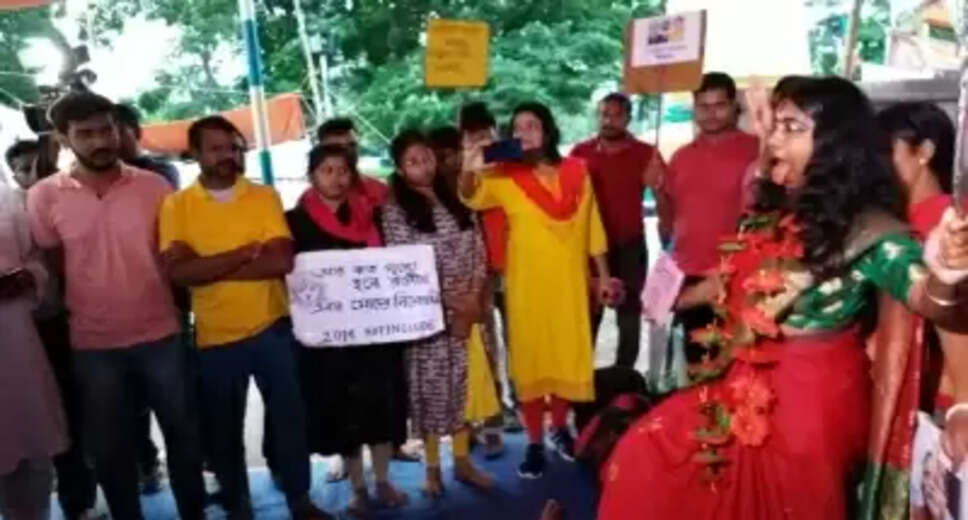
(704, 186)
(99, 221)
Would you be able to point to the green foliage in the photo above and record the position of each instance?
(828, 36)
(555, 51)
(16, 28)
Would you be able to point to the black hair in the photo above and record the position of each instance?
(786, 84)
(619, 99)
(128, 116)
(475, 117)
(916, 123)
(335, 126)
(849, 171)
(212, 123)
(76, 106)
(321, 152)
(549, 129)
(416, 207)
(717, 81)
(21, 148)
(445, 138)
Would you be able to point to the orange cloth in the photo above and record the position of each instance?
(22, 4)
(495, 224)
(286, 123)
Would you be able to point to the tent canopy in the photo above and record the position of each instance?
(286, 123)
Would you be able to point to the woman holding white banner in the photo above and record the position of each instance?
(353, 395)
(449, 380)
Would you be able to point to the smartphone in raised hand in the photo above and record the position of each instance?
(507, 150)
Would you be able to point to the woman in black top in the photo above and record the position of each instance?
(354, 395)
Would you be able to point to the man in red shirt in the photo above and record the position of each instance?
(704, 187)
(621, 167)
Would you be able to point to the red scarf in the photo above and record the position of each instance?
(925, 215)
(361, 228)
(571, 178)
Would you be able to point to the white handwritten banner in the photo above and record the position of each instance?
(365, 296)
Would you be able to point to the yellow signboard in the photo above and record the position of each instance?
(457, 53)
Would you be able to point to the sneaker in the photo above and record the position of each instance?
(534, 463)
(564, 444)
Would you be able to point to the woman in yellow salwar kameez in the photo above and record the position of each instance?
(554, 229)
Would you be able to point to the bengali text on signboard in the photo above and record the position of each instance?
(365, 296)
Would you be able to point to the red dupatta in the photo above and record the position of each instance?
(361, 229)
(571, 178)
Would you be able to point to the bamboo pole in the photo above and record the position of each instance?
(850, 46)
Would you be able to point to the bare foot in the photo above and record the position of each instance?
(552, 511)
(466, 472)
(389, 496)
(433, 487)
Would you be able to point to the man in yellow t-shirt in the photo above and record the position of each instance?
(226, 239)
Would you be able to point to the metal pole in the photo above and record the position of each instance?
(959, 181)
(310, 62)
(851, 44)
(260, 122)
(324, 74)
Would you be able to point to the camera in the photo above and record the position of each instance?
(72, 79)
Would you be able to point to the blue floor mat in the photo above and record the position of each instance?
(512, 499)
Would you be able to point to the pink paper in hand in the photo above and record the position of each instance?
(661, 290)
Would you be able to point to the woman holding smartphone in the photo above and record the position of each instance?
(555, 228)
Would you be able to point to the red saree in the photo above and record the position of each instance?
(784, 430)
(816, 436)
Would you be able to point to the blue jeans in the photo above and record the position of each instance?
(108, 381)
(269, 357)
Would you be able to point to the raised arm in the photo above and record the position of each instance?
(896, 266)
(473, 186)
